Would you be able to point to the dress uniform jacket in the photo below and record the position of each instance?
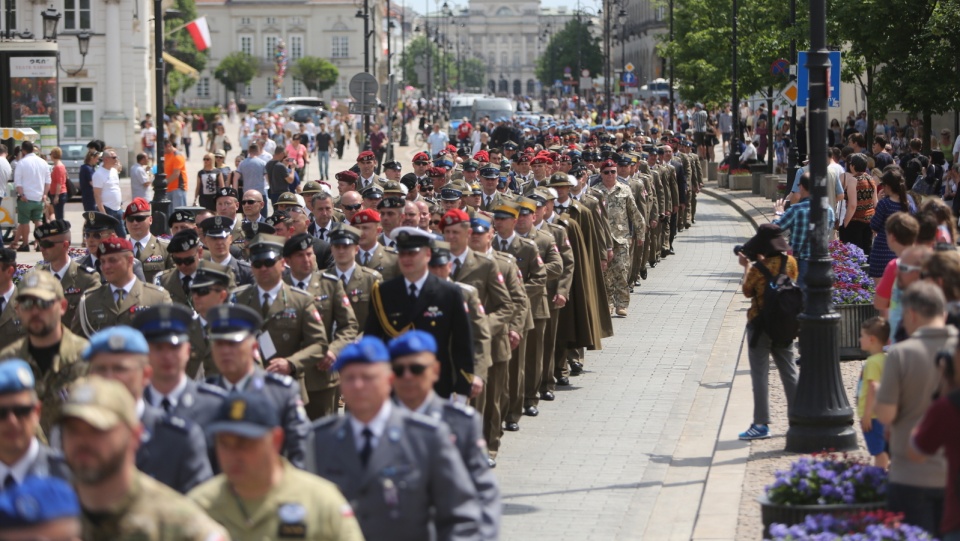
(198, 402)
(482, 272)
(98, 309)
(533, 271)
(301, 506)
(384, 261)
(89, 261)
(11, 328)
(496, 200)
(171, 281)
(549, 254)
(172, 450)
(321, 250)
(464, 424)
(153, 512)
(67, 366)
(358, 290)
(414, 479)
(201, 365)
(479, 322)
(562, 284)
(296, 329)
(439, 310)
(285, 393)
(240, 271)
(154, 257)
(76, 281)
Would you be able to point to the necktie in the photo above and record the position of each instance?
(9, 481)
(503, 245)
(119, 294)
(392, 244)
(366, 258)
(322, 233)
(166, 405)
(367, 448)
(265, 305)
(343, 278)
(186, 283)
(3, 303)
(413, 292)
(456, 268)
(59, 278)
(302, 285)
(136, 251)
(486, 201)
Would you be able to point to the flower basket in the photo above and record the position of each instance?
(851, 317)
(858, 526)
(741, 182)
(853, 292)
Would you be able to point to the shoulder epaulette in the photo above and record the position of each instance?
(422, 420)
(390, 250)
(480, 255)
(505, 255)
(461, 409)
(154, 287)
(528, 241)
(88, 270)
(467, 287)
(178, 423)
(286, 381)
(209, 388)
(329, 276)
(373, 272)
(298, 291)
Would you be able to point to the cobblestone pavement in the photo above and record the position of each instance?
(637, 430)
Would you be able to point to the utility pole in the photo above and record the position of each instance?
(366, 62)
(793, 156)
(734, 98)
(672, 106)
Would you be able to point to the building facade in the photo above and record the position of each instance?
(636, 41)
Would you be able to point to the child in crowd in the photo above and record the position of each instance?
(874, 334)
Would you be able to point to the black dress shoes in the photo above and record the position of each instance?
(531, 411)
(643, 273)
(576, 368)
(548, 396)
(563, 381)
(511, 427)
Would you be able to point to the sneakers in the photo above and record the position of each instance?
(755, 432)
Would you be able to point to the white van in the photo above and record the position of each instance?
(461, 106)
(494, 108)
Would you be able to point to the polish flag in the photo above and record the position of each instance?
(200, 33)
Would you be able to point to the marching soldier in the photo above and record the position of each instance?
(52, 351)
(627, 226)
(406, 481)
(149, 250)
(96, 227)
(54, 241)
(372, 254)
(118, 301)
(185, 254)
(357, 280)
(339, 321)
(267, 497)
(11, 328)
(181, 219)
(216, 238)
(212, 286)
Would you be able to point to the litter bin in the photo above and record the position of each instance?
(758, 170)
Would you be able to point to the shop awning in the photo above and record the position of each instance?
(20, 134)
(180, 65)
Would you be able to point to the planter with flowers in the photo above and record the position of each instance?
(862, 526)
(828, 484)
(853, 293)
(723, 176)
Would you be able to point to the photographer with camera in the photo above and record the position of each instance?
(769, 272)
(796, 219)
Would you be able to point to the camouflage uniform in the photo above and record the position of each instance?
(626, 224)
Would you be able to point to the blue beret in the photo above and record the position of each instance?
(119, 339)
(367, 350)
(479, 224)
(16, 376)
(410, 342)
(37, 500)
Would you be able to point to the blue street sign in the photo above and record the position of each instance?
(803, 80)
(629, 79)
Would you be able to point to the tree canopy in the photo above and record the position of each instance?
(317, 74)
(420, 52)
(237, 68)
(574, 47)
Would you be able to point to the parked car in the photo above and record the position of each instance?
(73, 155)
(277, 106)
(305, 113)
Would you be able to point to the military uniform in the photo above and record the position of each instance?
(67, 366)
(93, 262)
(98, 309)
(358, 289)
(240, 271)
(154, 257)
(152, 512)
(76, 281)
(479, 323)
(197, 402)
(534, 355)
(301, 506)
(415, 482)
(560, 286)
(625, 222)
(11, 328)
(172, 450)
(382, 260)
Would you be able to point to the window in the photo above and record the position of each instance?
(297, 87)
(248, 90)
(296, 47)
(516, 59)
(270, 88)
(78, 112)
(341, 87)
(270, 47)
(203, 87)
(341, 47)
(296, 21)
(491, 58)
(661, 12)
(504, 12)
(271, 21)
(531, 59)
(246, 44)
(245, 21)
(503, 58)
(76, 14)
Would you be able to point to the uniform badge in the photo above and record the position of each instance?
(433, 312)
(292, 523)
(345, 301)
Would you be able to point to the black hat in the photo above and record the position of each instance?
(440, 254)
(8, 256)
(252, 229)
(372, 192)
(450, 194)
(183, 241)
(768, 241)
(180, 216)
(510, 145)
(246, 414)
(394, 165)
(490, 172)
(470, 165)
(227, 191)
(266, 247)
(98, 221)
(409, 180)
(217, 227)
(296, 243)
(51, 229)
(166, 323)
(210, 274)
(391, 203)
(344, 235)
(278, 217)
(233, 322)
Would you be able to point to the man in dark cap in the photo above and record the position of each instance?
(391, 170)
(147, 249)
(233, 331)
(339, 321)
(185, 253)
(436, 494)
(419, 300)
(40, 508)
(413, 357)
(54, 241)
(217, 238)
(21, 453)
(412, 184)
(372, 254)
(371, 196)
(96, 227)
(50, 348)
(367, 162)
(357, 280)
(211, 286)
(181, 219)
(247, 436)
(391, 214)
(175, 451)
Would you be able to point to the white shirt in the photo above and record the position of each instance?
(377, 425)
(273, 292)
(63, 271)
(32, 176)
(240, 385)
(143, 242)
(6, 302)
(437, 141)
(497, 240)
(6, 175)
(139, 181)
(173, 397)
(749, 153)
(20, 468)
(418, 283)
(107, 179)
(347, 273)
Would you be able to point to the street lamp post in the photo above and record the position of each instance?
(161, 203)
(734, 96)
(404, 138)
(793, 157)
(606, 50)
(820, 417)
(622, 20)
(672, 106)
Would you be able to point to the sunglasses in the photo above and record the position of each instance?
(903, 267)
(427, 188)
(49, 243)
(18, 411)
(261, 263)
(434, 222)
(97, 234)
(203, 291)
(414, 369)
(183, 261)
(138, 219)
(250, 201)
(30, 303)
(610, 172)
(352, 207)
(421, 163)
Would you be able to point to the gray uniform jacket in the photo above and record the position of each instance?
(49, 463)
(173, 450)
(415, 478)
(199, 402)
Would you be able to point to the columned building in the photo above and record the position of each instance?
(646, 21)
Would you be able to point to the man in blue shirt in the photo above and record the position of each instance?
(797, 219)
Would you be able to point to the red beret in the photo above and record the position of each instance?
(482, 156)
(453, 217)
(452, 149)
(436, 172)
(366, 155)
(114, 245)
(421, 157)
(607, 163)
(366, 216)
(136, 206)
(541, 160)
(347, 176)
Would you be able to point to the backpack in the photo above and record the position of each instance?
(782, 303)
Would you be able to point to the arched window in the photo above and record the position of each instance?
(504, 12)
(531, 87)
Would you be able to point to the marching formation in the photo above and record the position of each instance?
(190, 387)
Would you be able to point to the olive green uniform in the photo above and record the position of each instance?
(153, 256)
(358, 290)
(98, 309)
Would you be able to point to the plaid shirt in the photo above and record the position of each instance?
(797, 220)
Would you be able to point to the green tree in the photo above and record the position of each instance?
(237, 68)
(418, 53)
(317, 74)
(472, 74)
(180, 45)
(574, 47)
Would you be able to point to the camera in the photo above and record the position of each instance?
(738, 249)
